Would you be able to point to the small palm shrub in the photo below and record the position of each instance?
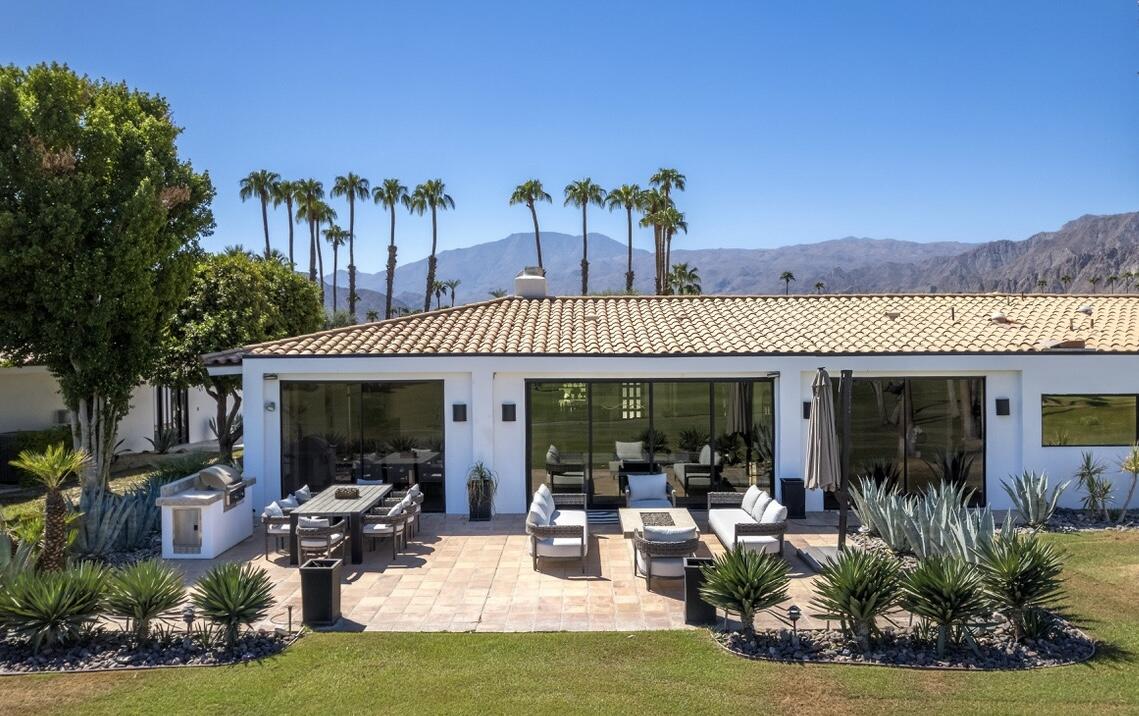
(1097, 489)
(856, 590)
(142, 593)
(51, 468)
(52, 608)
(946, 591)
(1030, 497)
(1021, 574)
(232, 595)
(745, 582)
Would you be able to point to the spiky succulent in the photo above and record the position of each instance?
(857, 590)
(745, 582)
(1021, 574)
(233, 595)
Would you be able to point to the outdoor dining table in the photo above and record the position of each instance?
(326, 504)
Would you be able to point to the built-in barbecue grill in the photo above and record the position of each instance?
(226, 480)
(198, 519)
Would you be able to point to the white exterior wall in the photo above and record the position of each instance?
(1013, 443)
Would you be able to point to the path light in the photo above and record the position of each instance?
(188, 617)
(793, 614)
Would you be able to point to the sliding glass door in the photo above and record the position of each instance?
(588, 436)
(340, 432)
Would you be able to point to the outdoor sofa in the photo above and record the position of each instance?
(556, 532)
(752, 519)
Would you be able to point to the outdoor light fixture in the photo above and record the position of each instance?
(188, 618)
(459, 412)
(509, 413)
(270, 376)
(270, 406)
(1003, 407)
(806, 410)
(793, 614)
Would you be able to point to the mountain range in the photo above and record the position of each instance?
(1082, 249)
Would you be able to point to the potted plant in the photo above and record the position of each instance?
(482, 484)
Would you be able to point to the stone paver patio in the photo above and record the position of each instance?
(457, 575)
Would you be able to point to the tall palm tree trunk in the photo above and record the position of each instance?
(335, 262)
(391, 269)
(430, 265)
(629, 269)
(265, 222)
(537, 234)
(289, 208)
(320, 264)
(584, 252)
(351, 257)
(53, 557)
(312, 250)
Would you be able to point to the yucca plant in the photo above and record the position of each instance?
(745, 582)
(232, 595)
(142, 593)
(857, 590)
(948, 592)
(1021, 574)
(1130, 465)
(1030, 498)
(1097, 489)
(953, 467)
(52, 608)
(51, 468)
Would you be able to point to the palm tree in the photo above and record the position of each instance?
(391, 194)
(787, 277)
(1066, 280)
(451, 285)
(431, 196)
(666, 180)
(819, 286)
(1128, 280)
(667, 222)
(1094, 281)
(285, 192)
(498, 292)
(372, 315)
(530, 192)
(1041, 285)
(1111, 281)
(684, 281)
(323, 214)
(310, 193)
(627, 197)
(51, 468)
(582, 193)
(260, 184)
(335, 236)
(652, 203)
(353, 187)
(439, 288)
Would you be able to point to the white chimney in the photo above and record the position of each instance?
(531, 283)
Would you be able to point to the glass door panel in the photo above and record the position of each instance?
(682, 425)
(559, 436)
(621, 441)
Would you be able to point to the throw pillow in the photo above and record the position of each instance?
(303, 495)
(273, 510)
(750, 497)
(648, 487)
(289, 504)
(774, 514)
(536, 516)
(760, 506)
(630, 451)
(396, 509)
(553, 456)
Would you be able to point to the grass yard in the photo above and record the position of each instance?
(662, 672)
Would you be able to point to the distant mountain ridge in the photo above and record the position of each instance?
(1085, 247)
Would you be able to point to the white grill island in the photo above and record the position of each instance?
(205, 514)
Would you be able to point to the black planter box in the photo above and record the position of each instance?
(481, 511)
(320, 591)
(793, 495)
(696, 610)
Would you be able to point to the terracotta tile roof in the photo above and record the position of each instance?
(735, 325)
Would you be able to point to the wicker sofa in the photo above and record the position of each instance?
(752, 519)
(556, 532)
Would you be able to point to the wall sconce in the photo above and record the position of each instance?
(270, 406)
(1003, 407)
(459, 412)
(509, 412)
(806, 410)
(270, 376)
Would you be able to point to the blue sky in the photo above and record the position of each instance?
(794, 121)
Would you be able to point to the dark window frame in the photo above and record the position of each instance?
(1134, 432)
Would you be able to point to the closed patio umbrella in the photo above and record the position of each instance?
(822, 463)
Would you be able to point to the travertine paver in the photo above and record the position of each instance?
(462, 576)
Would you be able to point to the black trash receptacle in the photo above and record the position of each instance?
(696, 610)
(793, 495)
(320, 591)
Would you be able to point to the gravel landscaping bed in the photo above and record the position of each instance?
(116, 650)
(1065, 520)
(905, 648)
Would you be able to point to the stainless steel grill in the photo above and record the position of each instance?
(226, 480)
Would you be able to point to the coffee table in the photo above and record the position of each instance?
(635, 518)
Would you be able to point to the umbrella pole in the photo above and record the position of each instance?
(846, 391)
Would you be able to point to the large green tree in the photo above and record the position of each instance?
(99, 223)
(234, 300)
(391, 193)
(431, 196)
(582, 193)
(352, 187)
(529, 193)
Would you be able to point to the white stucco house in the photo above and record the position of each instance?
(713, 390)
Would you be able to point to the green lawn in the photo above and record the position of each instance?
(667, 672)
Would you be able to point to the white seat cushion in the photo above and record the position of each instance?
(662, 566)
(648, 487)
(774, 514)
(278, 530)
(378, 529)
(569, 517)
(668, 534)
(723, 523)
(750, 497)
(706, 456)
(544, 501)
(760, 543)
(544, 491)
(560, 547)
(654, 503)
(322, 542)
(760, 506)
(630, 451)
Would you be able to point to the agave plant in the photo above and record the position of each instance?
(1030, 497)
(142, 593)
(104, 517)
(15, 559)
(948, 592)
(745, 582)
(873, 501)
(52, 608)
(1021, 574)
(883, 472)
(164, 440)
(232, 595)
(857, 590)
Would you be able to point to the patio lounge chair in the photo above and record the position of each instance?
(278, 525)
(415, 509)
(562, 474)
(651, 490)
(660, 551)
(751, 519)
(319, 536)
(557, 533)
(701, 474)
(389, 521)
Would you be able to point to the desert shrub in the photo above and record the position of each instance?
(856, 590)
(878, 507)
(142, 593)
(745, 582)
(1021, 574)
(1097, 489)
(946, 591)
(232, 595)
(1031, 501)
(52, 608)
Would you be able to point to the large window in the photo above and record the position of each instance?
(919, 431)
(339, 432)
(1089, 420)
(704, 435)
